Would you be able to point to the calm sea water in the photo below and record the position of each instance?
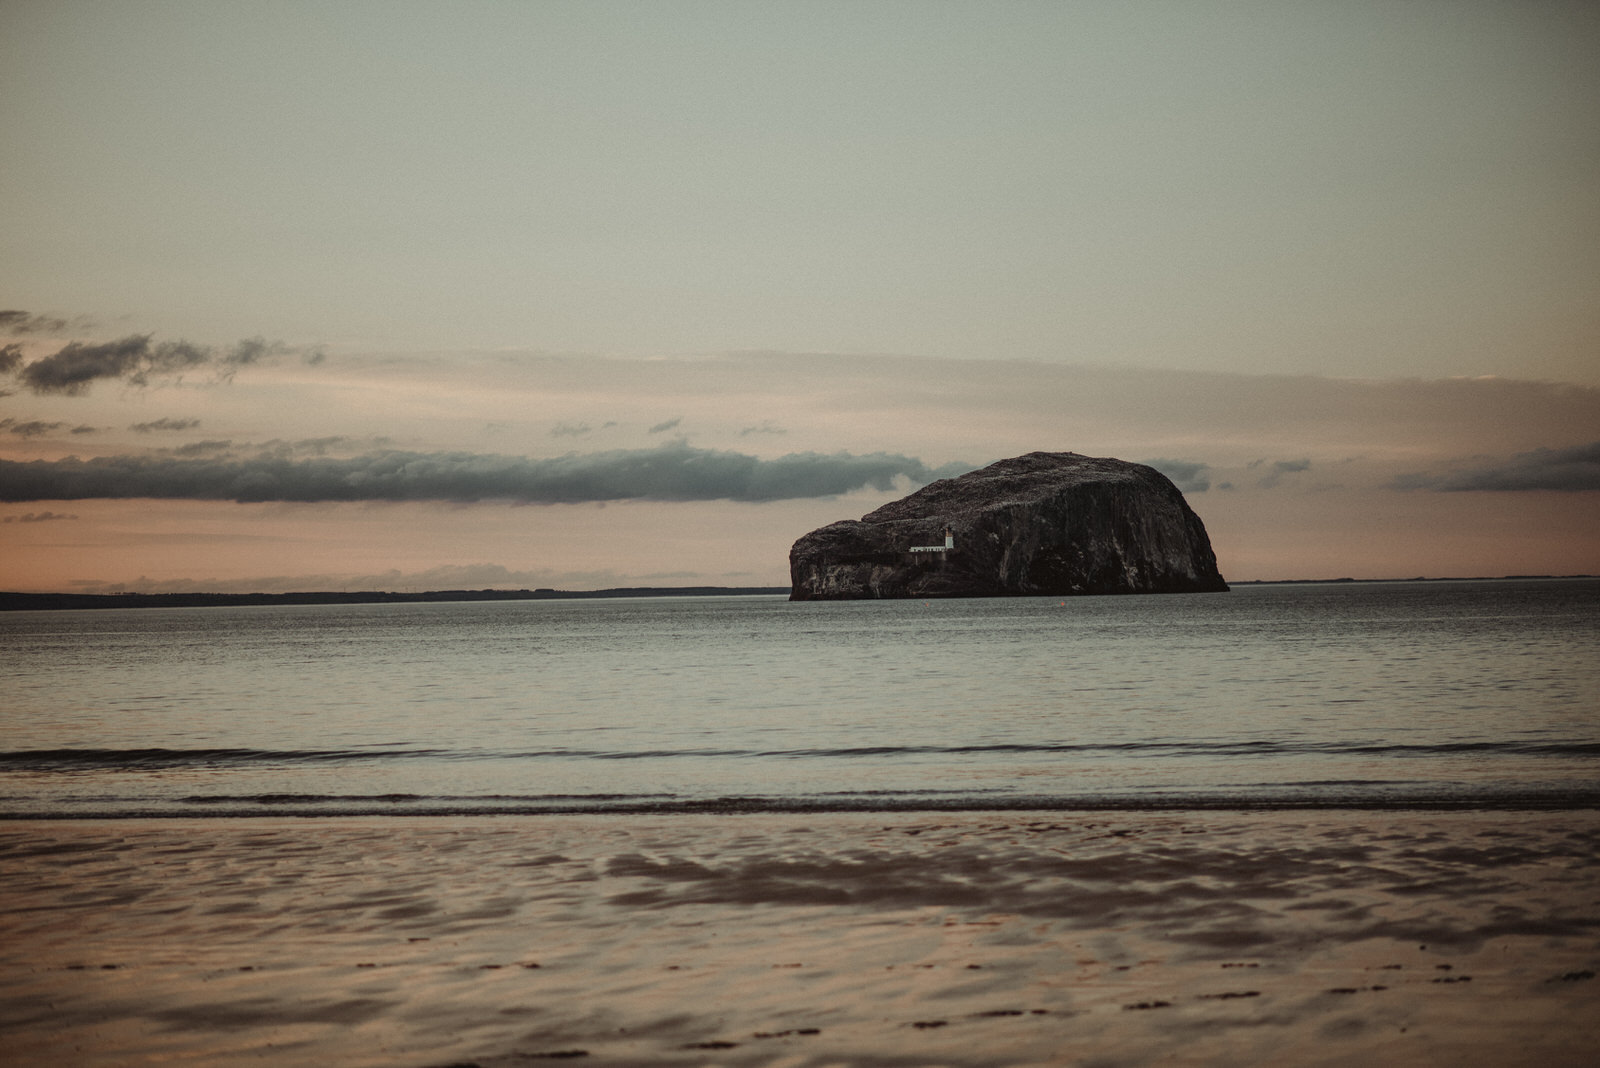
(1394, 693)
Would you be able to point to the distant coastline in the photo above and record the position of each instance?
(18, 602)
(1419, 578)
(13, 602)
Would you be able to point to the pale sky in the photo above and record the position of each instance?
(594, 294)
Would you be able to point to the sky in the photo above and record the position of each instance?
(458, 295)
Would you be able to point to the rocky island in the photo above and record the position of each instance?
(1045, 524)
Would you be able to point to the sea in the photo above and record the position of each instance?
(1439, 694)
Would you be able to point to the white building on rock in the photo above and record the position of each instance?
(949, 543)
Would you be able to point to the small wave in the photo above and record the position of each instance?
(413, 799)
(1219, 748)
(329, 806)
(1167, 748)
(969, 792)
(152, 759)
(156, 759)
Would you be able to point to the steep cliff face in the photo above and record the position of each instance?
(1048, 523)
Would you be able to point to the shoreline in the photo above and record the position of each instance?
(1553, 801)
(806, 939)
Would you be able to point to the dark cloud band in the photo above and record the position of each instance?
(1188, 475)
(1571, 470)
(135, 359)
(14, 321)
(165, 424)
(670, 473)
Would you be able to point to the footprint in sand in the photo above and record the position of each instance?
(786, 1034)
(1572, 977)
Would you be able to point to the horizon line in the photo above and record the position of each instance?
(22, 600)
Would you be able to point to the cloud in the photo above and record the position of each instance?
(766, 426)
(201, 448)
(570, 430)
(135, 359)
(74, 368)
(1569, 470)
(577, 430)
(283, 450)
(673, 472)
(1279, 469)
(165, 424)
(16, 322)
(662, 428)
(453, 577)
(1187, 475)
(10, 358)
(252, 350)
(31, 428)
(36, 517)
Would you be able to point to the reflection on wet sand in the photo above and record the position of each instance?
(976, 939)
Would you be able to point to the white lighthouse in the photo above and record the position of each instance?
(949, 543)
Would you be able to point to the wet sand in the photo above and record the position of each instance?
(1102, 939)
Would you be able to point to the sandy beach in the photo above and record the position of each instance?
(1352, 937)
